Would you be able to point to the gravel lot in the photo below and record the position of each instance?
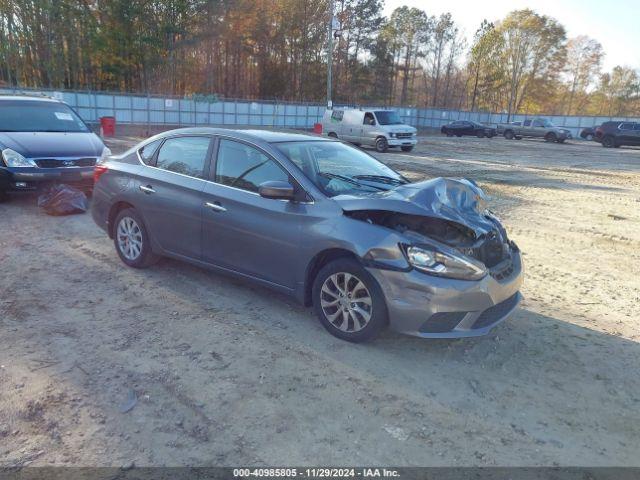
(229, 374)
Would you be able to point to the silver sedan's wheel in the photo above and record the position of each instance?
(346, 302)
(129, 238)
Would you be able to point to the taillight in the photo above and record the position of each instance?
(98, 170)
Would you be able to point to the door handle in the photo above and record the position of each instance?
(147, 189)
(215, 206)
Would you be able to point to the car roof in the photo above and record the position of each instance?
(268, 136)
(28, 98)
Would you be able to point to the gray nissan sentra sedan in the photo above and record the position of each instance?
(317, 219)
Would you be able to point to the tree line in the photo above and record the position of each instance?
(277, 49)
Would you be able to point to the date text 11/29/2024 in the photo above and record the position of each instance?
(323, 472)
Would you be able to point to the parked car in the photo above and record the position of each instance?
(534, 128)
(464, 127)
(44, 141)
(381, 129)
(588, 133)
(317, 219)
(617, 134)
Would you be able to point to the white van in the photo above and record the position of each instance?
(378, 128)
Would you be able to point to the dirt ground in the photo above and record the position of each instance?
(228, 374)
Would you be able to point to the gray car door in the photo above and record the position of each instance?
(243, 231)
(171, 194)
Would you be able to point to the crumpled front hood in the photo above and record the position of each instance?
(456, 200)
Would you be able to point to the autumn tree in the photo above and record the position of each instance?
(584, 59)
(534, 51)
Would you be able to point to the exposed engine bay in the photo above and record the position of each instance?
(491, 248)
(450, 211)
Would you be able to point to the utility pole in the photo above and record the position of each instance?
(330, 55)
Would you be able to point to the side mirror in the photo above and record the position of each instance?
(277, 190)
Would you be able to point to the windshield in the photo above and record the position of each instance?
(337, 168)
(388, 118)
(33, 116)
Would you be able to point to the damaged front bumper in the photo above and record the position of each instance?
(434, 307)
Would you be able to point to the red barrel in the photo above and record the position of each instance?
(108, 126)
(317, 128)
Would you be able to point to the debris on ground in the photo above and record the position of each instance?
(63, 200)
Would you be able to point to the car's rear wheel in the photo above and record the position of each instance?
(509, 135)
(407, 148)
(132, 240)
(348, 301)
(608, 142)
(382, 145)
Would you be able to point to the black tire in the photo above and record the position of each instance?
(332, 135)
(146, 256)
(379, 317)
(449, 134)
(382, 145)
(408, 148)
(519, 137)
(480, 134)
(608, 141)
(458, 135)
(509, 135)
(561, 140)
(491, 135)
(550, 137)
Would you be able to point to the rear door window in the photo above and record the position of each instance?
(184, 155)
(626, 126)
(148, 151)
(337, 115)
(241, 166)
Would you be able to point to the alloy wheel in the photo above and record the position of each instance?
(346, 302)
(129, 238)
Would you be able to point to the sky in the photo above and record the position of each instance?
(614, 23)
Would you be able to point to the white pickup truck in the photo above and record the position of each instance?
(534, 128)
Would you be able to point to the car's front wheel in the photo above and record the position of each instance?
(132, 240)
(382, 145)
(509, 135)
(348, 301)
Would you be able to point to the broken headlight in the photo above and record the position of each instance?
(451, 265)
